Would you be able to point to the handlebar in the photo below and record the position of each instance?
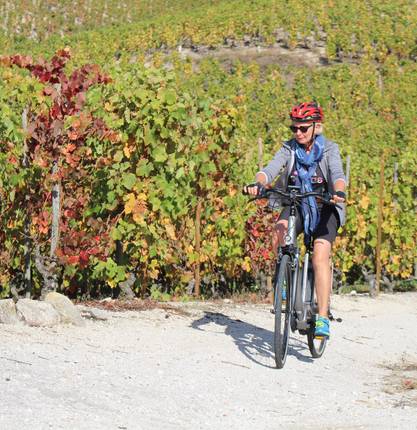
(293, 195)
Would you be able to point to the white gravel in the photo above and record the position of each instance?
(211, 369)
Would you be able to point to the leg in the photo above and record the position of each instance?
(321, 266)
(278, 234)
(280, 229)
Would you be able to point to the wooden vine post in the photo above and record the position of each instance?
(260, 167)
(56, 206)
(380, 209)
(379, 225)
(197, 275)
(28, 240)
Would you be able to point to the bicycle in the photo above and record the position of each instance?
(294, 304)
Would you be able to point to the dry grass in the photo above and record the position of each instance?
(402, 382)
(117, 305)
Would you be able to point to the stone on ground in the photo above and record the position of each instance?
(67, 311)
(36, 313)
(8, 313)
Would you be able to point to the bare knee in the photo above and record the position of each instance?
(321, 254)
(279, 233)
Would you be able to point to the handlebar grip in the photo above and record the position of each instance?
(260, 189)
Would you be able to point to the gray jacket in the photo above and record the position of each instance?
(330, 164)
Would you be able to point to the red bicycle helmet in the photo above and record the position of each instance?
(307, 112)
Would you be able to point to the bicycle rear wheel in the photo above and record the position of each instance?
(282, 310)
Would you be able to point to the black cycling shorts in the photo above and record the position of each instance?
(327, 227)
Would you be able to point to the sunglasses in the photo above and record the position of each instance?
(302, 128)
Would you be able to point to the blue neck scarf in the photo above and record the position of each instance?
(306, 165)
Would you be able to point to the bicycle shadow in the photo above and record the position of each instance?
(254, 342)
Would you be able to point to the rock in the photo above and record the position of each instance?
(67, 311)
(36, 313)
(8, 313)
(309, 42)
(93, 313)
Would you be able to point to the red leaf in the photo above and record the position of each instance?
(73, 259)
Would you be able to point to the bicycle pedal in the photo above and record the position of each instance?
(332, 318)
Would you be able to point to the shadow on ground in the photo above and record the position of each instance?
(254, 342)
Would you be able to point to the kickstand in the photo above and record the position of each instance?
(332, 318)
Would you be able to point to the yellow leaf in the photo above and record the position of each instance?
(396, 259)
(364, 202)
(246, 265)
(170, 231)
(126, 151)
(361, 226)
(136, 207)
(142, 197)
(130, 203)
(203, 258)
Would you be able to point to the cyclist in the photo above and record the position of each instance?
(313, 163)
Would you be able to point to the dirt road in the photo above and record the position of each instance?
(211, 367)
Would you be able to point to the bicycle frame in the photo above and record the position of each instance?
(302, 305)
(298, 307)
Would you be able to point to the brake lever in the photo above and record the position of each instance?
(327, 198)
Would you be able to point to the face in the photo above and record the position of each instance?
(303, 138)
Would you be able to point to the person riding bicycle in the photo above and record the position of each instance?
(313, 163)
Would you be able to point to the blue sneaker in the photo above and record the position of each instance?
(322, 328)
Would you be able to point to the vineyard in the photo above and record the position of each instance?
(122, 160)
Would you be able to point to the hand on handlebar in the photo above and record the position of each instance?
(338, 197)
(256, 189)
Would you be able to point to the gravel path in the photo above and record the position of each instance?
(211, 367)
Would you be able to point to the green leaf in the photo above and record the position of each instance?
(118, 156)
(159, 154)
(169, 97)
(129, 181)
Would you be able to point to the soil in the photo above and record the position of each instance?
(264, 56)
(206, 365)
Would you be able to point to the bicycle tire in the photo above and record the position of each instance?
(315, 345)
(282, 310)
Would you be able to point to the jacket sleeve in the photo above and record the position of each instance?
(335, 164)
(274, 167)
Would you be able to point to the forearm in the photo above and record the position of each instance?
(274, 167)
(261, 178)
(339, 185)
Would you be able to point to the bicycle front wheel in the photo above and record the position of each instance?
(315, 345)
(282, 310)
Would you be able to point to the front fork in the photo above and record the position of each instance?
(294, 252)
(305, 294)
